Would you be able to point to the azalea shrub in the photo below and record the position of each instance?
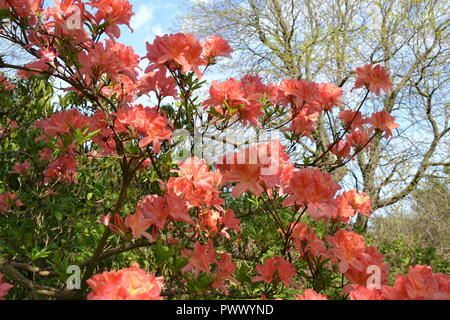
(96, 178)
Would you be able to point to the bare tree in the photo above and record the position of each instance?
(323, 40)
(424, 224)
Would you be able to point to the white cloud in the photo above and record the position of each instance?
(158, 30)
(144, 14)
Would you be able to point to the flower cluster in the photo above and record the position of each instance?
(159, 83)
(241, 99)
(257, 169)
(184, 53)
(127, 284)
(6, 84)
(309, 187)
(61, 124)
(113, 13)
(111, 58)
(310, 247)
(151, 124)
(195, 187)
(373, 78)
(9, 202)
(22, 168)
(4, 288)
(351, 202)
(359, 128)
(276, 268)
(202, 259)
(354, 258)
(215, 46)
(310, 294)
(64, 168)
(419, 284)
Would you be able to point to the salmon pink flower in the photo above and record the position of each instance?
(263, 165)
(138, 224)
(26, 9)
(118, 226)
(330, 96)
(176, 52)
(230, 221)
(351, 202)
(303, 122)
(298, 92)
(226, 97)
(4, 288)
(254, 87)
(216, 46)
(201, 259)
(113, 13)
(111, 58)
(285, 91)
(105, 136)
(22, 168)
(276, 266)
(9, 202)
(307, 243)
(196, 184)
(248, 178)
(178, 208)
(159, 83)
(62, 169)
(310, 294)
(354, 258)
(374, 78)
(66, 18)
(364, 293)
(241, 99)
(158, 209)
(6, 84)
(419, 284)
(217, 220)
(225, 268)
(127, 284)
(359, 139)
(383, 121)
(148, 122)
(352, 119)
(341, 149)
(123, 91)
(266, 271)
(359, 201)
(210, 219)
(372, 265)
(302, 232)
(310, 187)
(349, 247)
(61, 123)
(155, 208)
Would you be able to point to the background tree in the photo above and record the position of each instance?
(324, 41)
(417, 234)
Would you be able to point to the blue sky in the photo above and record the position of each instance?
(152, 18)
